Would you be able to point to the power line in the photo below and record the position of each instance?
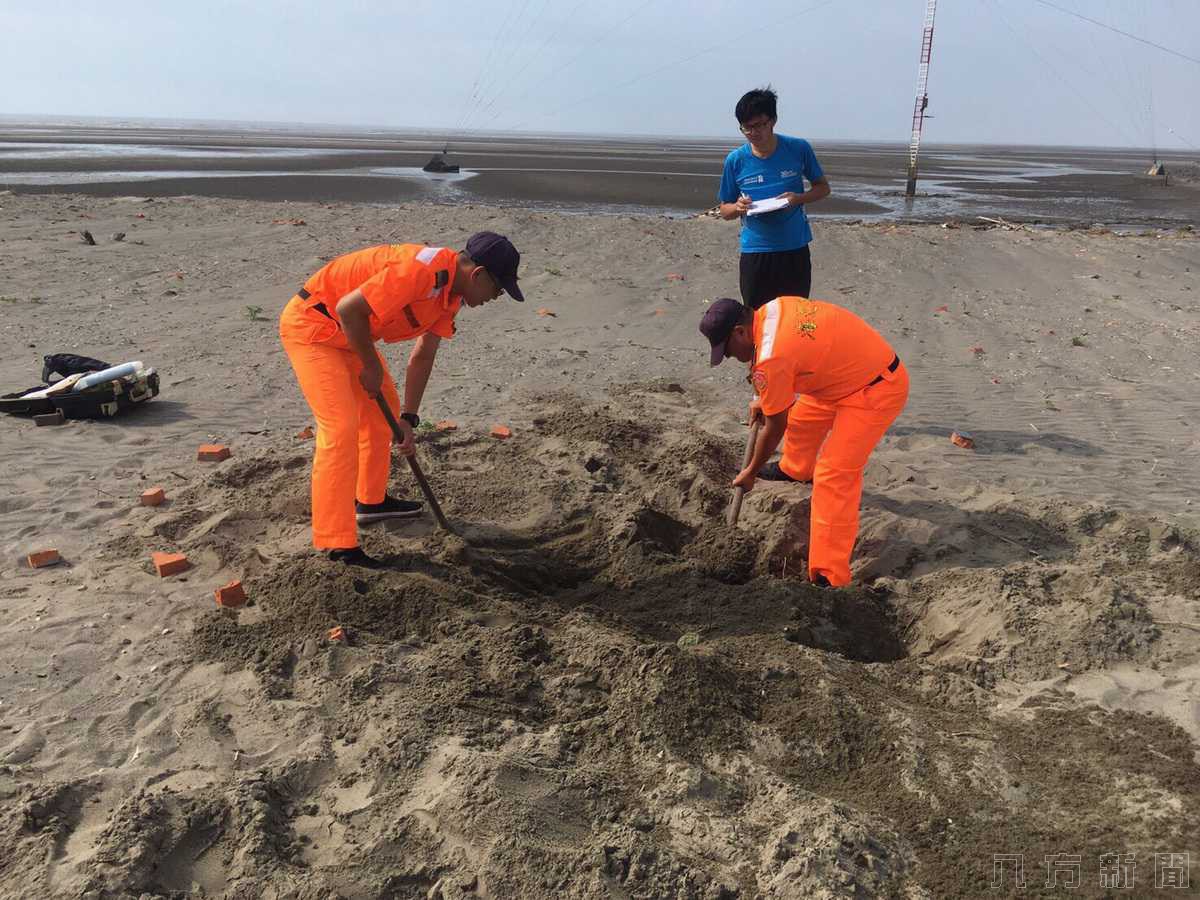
(472, 96)
(678, 62)
(1028, 44)
(536, 54)
(589, 48)
(1115, 30)
(492, 73)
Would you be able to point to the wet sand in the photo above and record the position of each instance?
(585, 175)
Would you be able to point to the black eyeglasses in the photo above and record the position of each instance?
(752, 127)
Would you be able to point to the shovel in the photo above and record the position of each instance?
(415, 466)
(735, 504)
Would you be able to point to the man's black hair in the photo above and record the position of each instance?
(758, 102)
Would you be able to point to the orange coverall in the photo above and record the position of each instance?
(407, 287)
(845, 386)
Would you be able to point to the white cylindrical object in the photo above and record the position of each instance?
(111, 374)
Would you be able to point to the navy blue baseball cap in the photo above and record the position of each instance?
(718, 323)
(496, 253)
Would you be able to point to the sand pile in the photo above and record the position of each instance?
(599, 690)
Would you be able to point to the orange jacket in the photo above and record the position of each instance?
(814, 348)
(407, 287)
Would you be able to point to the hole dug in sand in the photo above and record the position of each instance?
(514, 715)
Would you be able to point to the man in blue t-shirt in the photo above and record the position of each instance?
(775, 261)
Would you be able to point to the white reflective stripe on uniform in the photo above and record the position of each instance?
(427, 254)
(770, 326)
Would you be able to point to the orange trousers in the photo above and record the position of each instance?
(829, 444)
(354, 442)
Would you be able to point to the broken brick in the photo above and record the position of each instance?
(232, 596)
(446, 425)
(305, 433)
(942, 309)
(545, 312)
(963, 439)
(153, 497)
(338, 634)
(170, 563)
(213, 453)
(39, 559)
(503, 432)
(675, 276)
(54, 418)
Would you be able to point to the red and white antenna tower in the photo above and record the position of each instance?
(918, 120)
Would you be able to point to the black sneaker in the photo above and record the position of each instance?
(772, 472)
(357, 556)
(390, 508)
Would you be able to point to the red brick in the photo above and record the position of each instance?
(338, 634)
(232, 596)
(54, 418)
(446, 425)
(153, 497)
(503, 432)
(39, 559)
(546, 312)
(170, 563)
(963, 439)
(213, 453)
(305, 433)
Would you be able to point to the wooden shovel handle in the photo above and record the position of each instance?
(415, 466)
(735, 504)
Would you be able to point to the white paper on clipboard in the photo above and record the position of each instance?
(758, 207)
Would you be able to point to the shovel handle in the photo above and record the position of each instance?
(735, 503)
(414, 465)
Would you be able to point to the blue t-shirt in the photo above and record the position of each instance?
(760, 179)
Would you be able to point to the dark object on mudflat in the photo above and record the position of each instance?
(54, 418)
(439, 164)
(86, 237)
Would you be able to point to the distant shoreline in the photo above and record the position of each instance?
(577, 174)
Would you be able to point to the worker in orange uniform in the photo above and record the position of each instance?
(393, 292)
(826, 384)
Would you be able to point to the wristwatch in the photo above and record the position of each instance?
(411, 418)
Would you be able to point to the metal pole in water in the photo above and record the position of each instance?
(922, 102)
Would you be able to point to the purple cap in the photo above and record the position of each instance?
(718, 323)
(497, 254)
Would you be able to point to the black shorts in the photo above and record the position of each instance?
(765, 276)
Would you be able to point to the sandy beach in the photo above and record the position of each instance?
(596, 689)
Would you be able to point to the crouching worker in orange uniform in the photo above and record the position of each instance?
(827, 385)
(394, 292)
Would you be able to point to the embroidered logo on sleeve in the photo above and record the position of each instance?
(759, 379)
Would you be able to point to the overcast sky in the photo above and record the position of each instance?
(1004, 71)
